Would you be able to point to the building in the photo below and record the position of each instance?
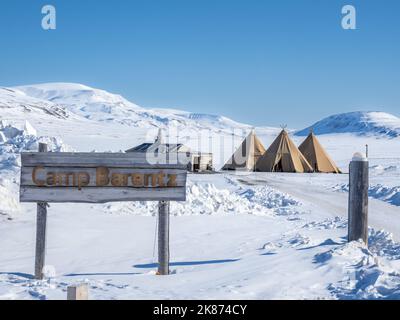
(195, 161)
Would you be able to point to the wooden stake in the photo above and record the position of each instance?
(41, 221)
(78, 292)
(358, 199)
(163, 237)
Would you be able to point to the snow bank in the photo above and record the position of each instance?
(202, 199)
(281, 203)
(207, 199)
(367, 272)
(327, 224)
(17, 140)
(391, 195)
(380, 192)
(269, 197)
(14, 140)
(380, 169)
(382, 244)
(9, 204)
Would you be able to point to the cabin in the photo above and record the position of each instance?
(195, 161)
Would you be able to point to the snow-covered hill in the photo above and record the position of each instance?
(100, 105)
(360, 123)
(15, 103)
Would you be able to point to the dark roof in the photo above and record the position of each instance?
(145, 146)
(140, 148)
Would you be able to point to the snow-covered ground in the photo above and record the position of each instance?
(238, 236)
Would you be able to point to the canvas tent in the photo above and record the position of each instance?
(317, 156)
(283, 156)
(247, 155)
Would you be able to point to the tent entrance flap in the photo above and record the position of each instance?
(278, 166)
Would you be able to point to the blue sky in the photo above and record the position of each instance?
(260, 62)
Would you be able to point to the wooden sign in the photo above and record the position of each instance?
(100, 178)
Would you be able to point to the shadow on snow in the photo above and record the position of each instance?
(186, 263)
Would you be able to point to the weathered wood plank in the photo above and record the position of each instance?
(64, 176)
(99, 178)
(93, 159)
(100, 195)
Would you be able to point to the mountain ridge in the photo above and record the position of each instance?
(72, 100)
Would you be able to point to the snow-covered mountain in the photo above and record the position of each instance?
(360, 123)
(14, 103)
(100, 105)
(70, 101)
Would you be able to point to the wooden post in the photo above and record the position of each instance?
(358, 199)
(163, 237)
(41, 221)
(78, 292)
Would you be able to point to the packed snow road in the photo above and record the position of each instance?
(317, 192)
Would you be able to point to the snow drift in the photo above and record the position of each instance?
(379, 191)
(207, 199)
(17, 138)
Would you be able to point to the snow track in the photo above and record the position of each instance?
(312, 191)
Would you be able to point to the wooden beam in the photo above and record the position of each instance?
(100, 195)
(94, 159)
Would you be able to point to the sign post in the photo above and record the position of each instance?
(358, 199)
(100, 178)
(41, 223)
(78, 292)
(163, 237)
